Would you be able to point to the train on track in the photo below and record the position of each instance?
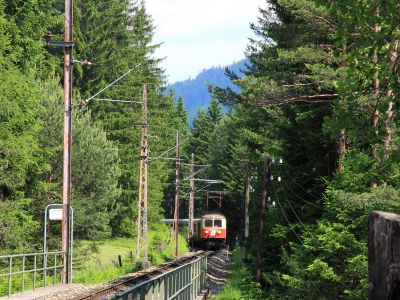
(209, 232)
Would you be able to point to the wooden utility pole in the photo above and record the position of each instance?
(67, 140)
(262, 217)
(176, 214)
(246, 213)
(191, 200)
(141, 242)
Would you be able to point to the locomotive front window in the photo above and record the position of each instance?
(217, 223)
(208, 223)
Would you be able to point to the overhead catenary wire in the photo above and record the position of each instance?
(118, 101)
(208, 180)
(197, 172)
(188, 164)
(170, 158)
(86, 101)
(201, 189)
(169, 150)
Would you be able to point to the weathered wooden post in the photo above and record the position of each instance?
(384, 256)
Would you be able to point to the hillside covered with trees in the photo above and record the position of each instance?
(320, 93)
(195, 91)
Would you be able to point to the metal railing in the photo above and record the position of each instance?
(34, 264)
(185, 282)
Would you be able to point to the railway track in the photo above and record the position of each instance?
(126, 282)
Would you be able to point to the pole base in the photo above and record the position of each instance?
(146, 264)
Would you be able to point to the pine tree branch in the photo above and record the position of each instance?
(302, 84)
(326, 98)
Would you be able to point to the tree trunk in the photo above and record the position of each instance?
(375, 115)
(342, 150)
(390, 113)
(261, 219)
(246, 214)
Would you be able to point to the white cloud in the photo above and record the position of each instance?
(200, 34)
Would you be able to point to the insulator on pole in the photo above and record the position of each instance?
(281, 161)
(269, 199)
(273, 203)
(279, 179)
(85, 103)
(272, 178)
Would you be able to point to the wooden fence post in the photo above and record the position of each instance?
(384, 256)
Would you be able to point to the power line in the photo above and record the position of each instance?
(300, 186)
(186, 164)
(86, 101)
(302, 224)
(295, 233)
(302, 199)
(116, 100)
(197, 172)
(169, 150)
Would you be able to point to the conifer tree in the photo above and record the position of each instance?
(203, 127)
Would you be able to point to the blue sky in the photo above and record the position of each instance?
(201, 34)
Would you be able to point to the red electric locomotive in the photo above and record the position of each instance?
(210, 231)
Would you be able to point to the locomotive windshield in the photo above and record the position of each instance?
(212, 223)
(208, 223)
(217, 223)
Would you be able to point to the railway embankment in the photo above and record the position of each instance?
(238, 283)
(218, 269)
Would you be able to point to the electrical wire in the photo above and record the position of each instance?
(170, 149)
(198, 189)
(302, 199)
(116, 100)
(305, 228)
(300, 186)
(197, 172)
(295, 233)
(188, 164)
(86, 101)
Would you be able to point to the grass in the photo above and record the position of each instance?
(240, 284)
(98, 261)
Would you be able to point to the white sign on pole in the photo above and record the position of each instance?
(55, 214)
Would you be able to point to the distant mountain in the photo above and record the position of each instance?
(195, 92)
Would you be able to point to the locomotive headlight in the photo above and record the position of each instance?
(219, 231)
(206, 231)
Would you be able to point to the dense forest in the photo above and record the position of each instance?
(319, 92)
